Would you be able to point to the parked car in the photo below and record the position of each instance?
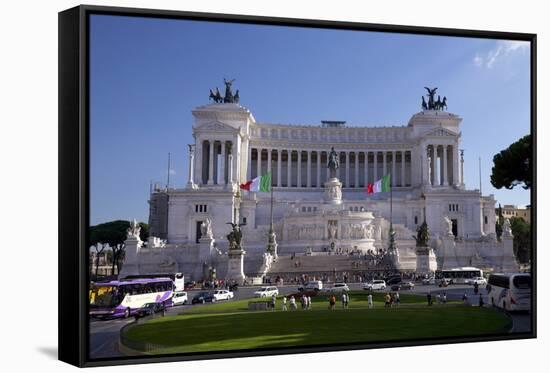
(392, 280)
(429, 281)
(375, 285)
(203, 297)
(180, 297)
(405, 285)
(338, 288)
(149, 309)
(223, 295)
(311, 285)
(480, 281)
(266, 291)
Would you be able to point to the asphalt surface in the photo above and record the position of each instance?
(104, 334)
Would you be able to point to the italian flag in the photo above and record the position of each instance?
(382, 185)
(259, 184)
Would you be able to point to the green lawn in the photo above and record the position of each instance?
(230, 326)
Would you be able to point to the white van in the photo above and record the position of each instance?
(180, 297)
(312, 285)
(375, 285)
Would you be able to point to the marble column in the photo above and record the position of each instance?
(211, 163)
(347, 169)
(259, 162)
(366, 169)
(403, 158)
(318, 184)
(393, 173)
(249, 168)
(269, 154)
(308, 171)
(436, 180)
(299, 169)
(356, 184)
(375, 171)
(445, 166)
(454, 152)
(230, 177)
(425, 159)
(190, 181)
(222, 175)
(462, 167)
(289, 169)
(384, 164)
(279, 166)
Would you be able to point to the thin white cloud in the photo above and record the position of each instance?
(502, 49)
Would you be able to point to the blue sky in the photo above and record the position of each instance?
(148, 74)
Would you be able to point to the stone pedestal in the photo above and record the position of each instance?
(333, 191)
(131, 258)
(425, 259)
(235, 265)
(508, 262)
(447, 255)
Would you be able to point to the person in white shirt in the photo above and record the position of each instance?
(292, 303)
(370, 301)
(284, 303)
(308, 302)
(273, 302)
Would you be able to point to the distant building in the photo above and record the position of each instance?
(513, 211)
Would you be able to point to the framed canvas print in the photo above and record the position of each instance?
(239, 186)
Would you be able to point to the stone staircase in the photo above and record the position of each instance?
(318, 263)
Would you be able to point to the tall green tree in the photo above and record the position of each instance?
(522, 239)
(113, 234)
(512, 166)
(498, 224)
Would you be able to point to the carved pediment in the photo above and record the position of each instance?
(440, 132)
(215, 127)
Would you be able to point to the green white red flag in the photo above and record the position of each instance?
(382, 185)
(258, 184)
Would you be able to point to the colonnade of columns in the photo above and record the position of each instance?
(215, 161)
(308, 168)
(442, 165)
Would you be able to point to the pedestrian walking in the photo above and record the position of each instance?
(292, 303)
(480, 300)
(439, 298)
(369, 299)
(273, 302)
(476, 288)
(397, 299)
(444, 299)
(303, 301)
(331, 302)
(387, 300)
(308, 302)
(284, 304)
(465, 298)
(429, 296)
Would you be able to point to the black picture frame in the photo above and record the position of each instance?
(74, 177)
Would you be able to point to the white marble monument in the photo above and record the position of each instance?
(314, 204)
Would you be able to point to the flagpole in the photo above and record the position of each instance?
(271, 212)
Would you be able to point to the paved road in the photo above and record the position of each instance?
(104, 334)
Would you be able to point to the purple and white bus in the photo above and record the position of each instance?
(122, 298)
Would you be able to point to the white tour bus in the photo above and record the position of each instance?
(461, 275)
(510, 291)
(178, 278)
